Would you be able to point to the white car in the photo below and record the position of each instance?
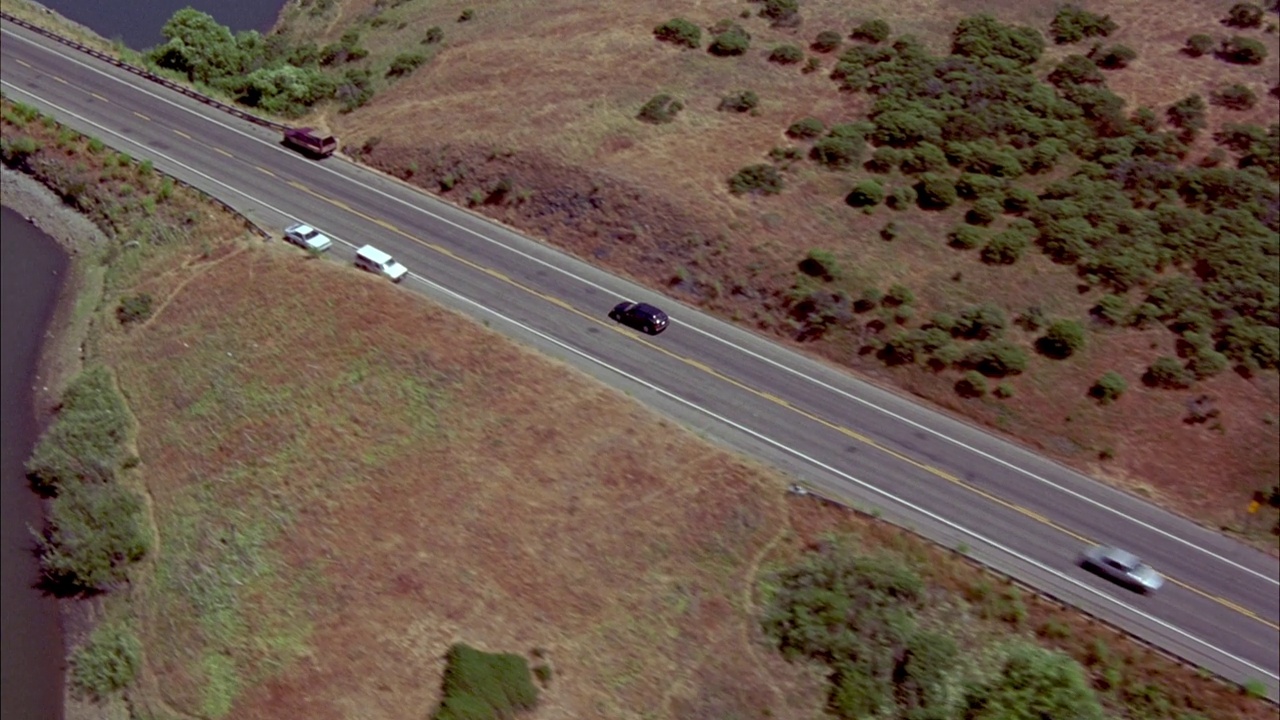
(307, 237)
(376, 261)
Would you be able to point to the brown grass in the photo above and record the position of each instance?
(546, 94)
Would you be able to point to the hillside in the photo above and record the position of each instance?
(529, 113)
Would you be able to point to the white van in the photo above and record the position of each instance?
(374, 260)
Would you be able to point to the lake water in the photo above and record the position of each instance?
(32, 268)
(138, 22)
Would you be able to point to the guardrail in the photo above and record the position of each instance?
(145, 74)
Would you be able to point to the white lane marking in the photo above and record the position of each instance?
(567, 273)
(719, 418)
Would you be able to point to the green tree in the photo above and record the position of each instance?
(826, 41)
(199, 47)
(1062, 339)
(1034, 684)
(1244, 15)
(837, 152)
(996, 358)
(483, 686)
(731, 39)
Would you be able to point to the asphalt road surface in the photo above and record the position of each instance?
(1012, 509)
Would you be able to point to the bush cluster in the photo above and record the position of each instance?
(872, 31)
(786, 55)
(729, 39)
(484, 686)
(108, 661)
(1235, 97)
(660, 109)
(1072, 24)
(1244, 15)
(679, 31)
(741, 101)
(761, 178)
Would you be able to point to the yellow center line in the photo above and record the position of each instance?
(263, 170)
(23, 64)
(706, 369)
(179, 132)
(96, 95)
(144, 117)
(64, 82)
(220, 151)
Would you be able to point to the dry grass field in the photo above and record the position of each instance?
(545, 95)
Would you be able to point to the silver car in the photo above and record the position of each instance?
(1121, 567)
(307, 237)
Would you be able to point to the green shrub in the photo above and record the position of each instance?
(731, 40)
(926, 157)
(889, 231)
(902, 198)
(971, 385)
(884, 160)
(935, 192)
(1004, 390)
(94, 531)
(679, 31)
(741, 101)
(806, 128)
(983, 212)
(1108, 388)
(1062, 339)
(872, 31)
(965, 237)
(1115, 57)
(484, 686)
(1072, 24)
(897, 295)
(826, 41)
(786, 55)
(1235, 97)
(87, 437)
(434, 35)
(1020, 199)
(1199, 45)
(405, 63)
(1111, 309)
(812, 65)
(980, 322)
(781, 13)
(108, 661)
(1006, 248)
(820, 264)
(982, 36)
(867, 193)
(1031, 676)
(996, 358)
(1167, 372)
(466, 15)
(1243, 15)
(1243, 51)
(972, 186)
(1188, 113)
(134, 308)
(837, 152)
(661, 108)
(762, 178)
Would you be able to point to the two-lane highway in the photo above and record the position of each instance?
(1016, 511)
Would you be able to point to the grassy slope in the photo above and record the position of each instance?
(345, 479)
(546, 93)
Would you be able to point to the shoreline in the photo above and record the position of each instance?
(60, 359)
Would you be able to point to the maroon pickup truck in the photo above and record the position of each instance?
(310, 143)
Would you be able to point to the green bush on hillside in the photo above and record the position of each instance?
(1063, 339)
(660, 109)
(1244, 15)
(826, 41)
(405, 63)
(872, 31)
(965, 237)
(1243, 51)
(86, 438)
(781, 13)
(679, 31)
(1072, 24)
(935, 192)
(1235, 97)
(741, 101)
(93, 533)
(1199, 45)
(996, 358)
(1167, 372)
(1114, 57)
(786, 55)
(484, 686)
(730, 39)
(837, 152)
(866, 193)
(108, 660)
(1109, 387)
(761, 178)
(806, 128)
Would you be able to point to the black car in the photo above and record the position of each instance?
(641, 316)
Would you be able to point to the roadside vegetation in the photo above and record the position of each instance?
(324, 513)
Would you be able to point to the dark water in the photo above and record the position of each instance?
(32, 267)
(138, 22)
